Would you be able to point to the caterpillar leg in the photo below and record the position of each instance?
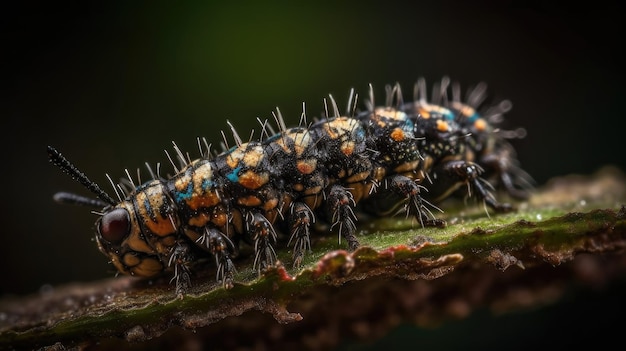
(180, 259)
(220, 246)
(414, 205)
(263, 235)
(300, 219)
(340, 204)
(513, 179)
(450, 176)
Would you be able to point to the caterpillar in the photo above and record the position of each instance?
(392, 158)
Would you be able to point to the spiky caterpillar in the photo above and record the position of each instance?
(376, 159)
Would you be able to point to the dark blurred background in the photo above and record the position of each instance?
(111, 85)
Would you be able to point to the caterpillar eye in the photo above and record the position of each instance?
(114, 226)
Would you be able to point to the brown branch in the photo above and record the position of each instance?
(420, 276)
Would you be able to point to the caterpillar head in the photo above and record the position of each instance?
(136, 233)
